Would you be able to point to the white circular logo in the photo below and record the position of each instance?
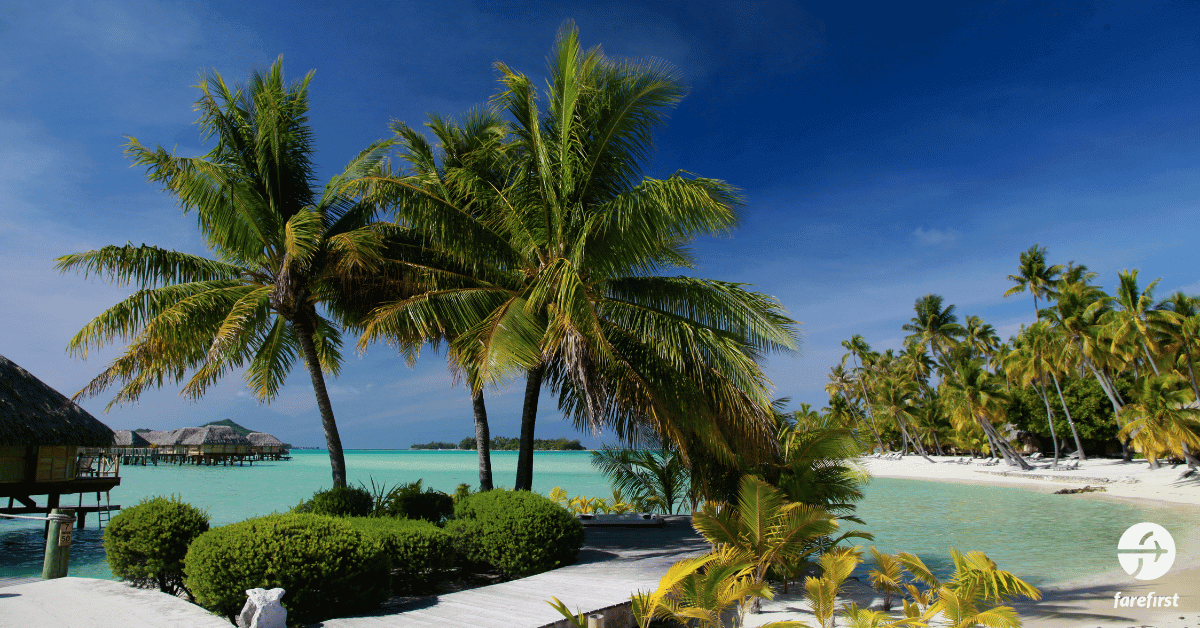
(1146, 551)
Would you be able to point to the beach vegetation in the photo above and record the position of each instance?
(655, 479)
(281, 250)
(328, 568)
(145, 544)
(517, 532)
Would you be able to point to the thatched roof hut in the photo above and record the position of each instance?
(32, 413)
(263, 439)
(129, 438)
(158, 437)
(213, 435)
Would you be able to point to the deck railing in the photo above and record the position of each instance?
(98, 465)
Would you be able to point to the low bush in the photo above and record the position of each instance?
(421, 552)
(518, 532)
(328, 568)
(342, 501)
(410, 502)
(146, 544)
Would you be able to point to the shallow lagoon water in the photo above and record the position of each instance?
(1045, 538)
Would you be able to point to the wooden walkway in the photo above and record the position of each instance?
(614, 564)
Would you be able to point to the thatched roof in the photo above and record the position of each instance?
(263, 439)
(32, 413)
(128, 438)
(214, 435)
(158, 437)
(180, 435)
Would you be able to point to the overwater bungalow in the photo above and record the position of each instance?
(216, 444)
(44, 441)
(266, 447)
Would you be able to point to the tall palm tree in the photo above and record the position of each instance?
(858, 349)
(980, 338)
(563, 263)
(934, 326)
(1035, 276)
(1133, 325)
(977, 396)
(282, 250)
(459, 172)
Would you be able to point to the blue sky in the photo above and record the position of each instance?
(886, 151)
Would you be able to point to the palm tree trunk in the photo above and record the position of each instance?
(1074, 432)
(333, 442)
(1126, 451)
(1150, 357)
(916, 443)
(1011, 456)
(483, 439)
(533, 389)
(1041, 391)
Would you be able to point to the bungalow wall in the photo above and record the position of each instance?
(50, 464)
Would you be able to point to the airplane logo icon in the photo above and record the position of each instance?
(1146, 551)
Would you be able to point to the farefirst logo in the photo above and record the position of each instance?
(1146, 551)
(1146, 601)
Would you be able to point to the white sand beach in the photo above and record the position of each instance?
(1086, 603)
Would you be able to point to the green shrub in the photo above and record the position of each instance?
(410, 502)
(518, 532)
(146, 544)
(420, 551)
(327, 567)
(343, 501)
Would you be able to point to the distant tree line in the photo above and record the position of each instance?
(435, 446)
(505, 443)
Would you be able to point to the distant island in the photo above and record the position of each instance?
(505, 443)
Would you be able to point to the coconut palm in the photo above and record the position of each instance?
(656, 477)
(1180, 327)
(895, 398)
(562, 261)
(1035, 276)
(282, 249)
(842, 385)
(980, 338)
(1133, 325)
(975, 395)
(1160, 421)
(934, 326)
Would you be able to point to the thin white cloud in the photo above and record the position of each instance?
(935, 237)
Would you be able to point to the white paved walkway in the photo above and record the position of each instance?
(90, 603)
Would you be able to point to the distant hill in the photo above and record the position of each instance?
(229, 423)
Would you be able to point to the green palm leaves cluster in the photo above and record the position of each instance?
(1126, 342)
(526, 240)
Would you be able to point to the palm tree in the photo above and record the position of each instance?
(1161, 420)
(562, 260)
(1133, 324)
(282, 250)
(1035, 276)
(934, 326)
(976, 396)
(657, 476)
(468, 158)
(980, 338)
(858, 348)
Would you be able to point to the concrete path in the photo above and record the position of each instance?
(91, 603)
(614, 564)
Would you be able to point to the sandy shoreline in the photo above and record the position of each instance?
(1082, 603)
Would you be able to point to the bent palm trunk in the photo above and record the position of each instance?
(483, 439)
(1074, 432)
(533, 388)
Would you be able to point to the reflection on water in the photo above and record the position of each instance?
(1044, 538)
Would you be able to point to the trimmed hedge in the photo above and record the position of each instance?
(518, 532)
(146, 544)
(420, 551)
(328, 568)
(342, 501)
(410, 502)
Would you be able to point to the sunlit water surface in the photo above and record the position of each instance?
(1045, 538)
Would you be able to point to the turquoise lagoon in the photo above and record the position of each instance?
(1047, 538)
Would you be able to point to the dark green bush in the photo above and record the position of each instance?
(146, 544)
(327, 567)
(420, 551)
(342, 501)
(518, 532)
(410, 502)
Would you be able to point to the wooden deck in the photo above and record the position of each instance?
(614, 564)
